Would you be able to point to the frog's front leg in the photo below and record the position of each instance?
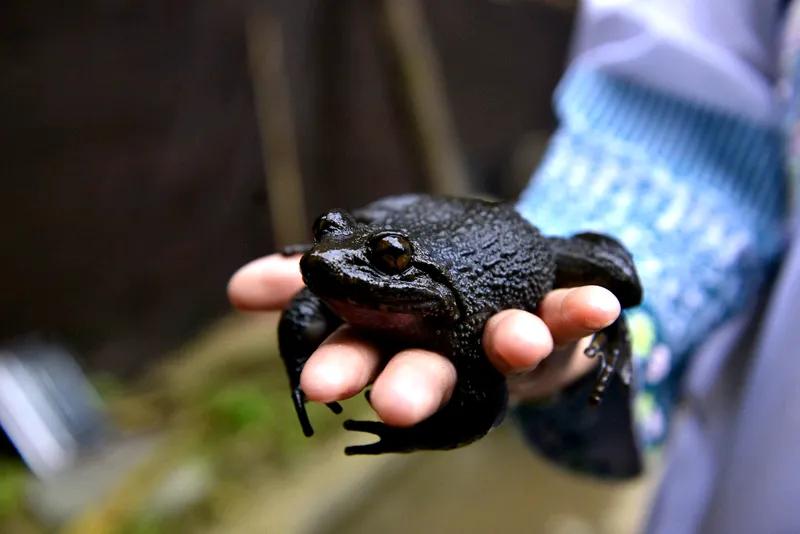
(304, 325)
(597, 259)
(478, 403)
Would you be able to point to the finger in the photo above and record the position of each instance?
(577, 312)
(559, 370)
(412, 387)
(340, 368)
(267, 283)
(516, 341)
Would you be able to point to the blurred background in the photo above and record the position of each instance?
(150, 148)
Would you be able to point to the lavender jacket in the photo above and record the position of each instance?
(679, 119)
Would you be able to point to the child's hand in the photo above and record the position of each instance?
(415, 383)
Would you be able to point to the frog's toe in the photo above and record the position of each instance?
(299, 399)
(371, 449)
(388, 436)
(372, 427)
(612, 347)
(597, 346)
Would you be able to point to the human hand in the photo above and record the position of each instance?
(540, 354)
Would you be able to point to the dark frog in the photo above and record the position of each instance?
(425, 271)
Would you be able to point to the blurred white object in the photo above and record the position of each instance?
(48, 408)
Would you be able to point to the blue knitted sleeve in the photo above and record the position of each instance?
(699, 198)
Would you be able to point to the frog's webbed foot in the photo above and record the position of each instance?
(465, 418)
(392, 439)
(423, 436)
(612, 346)
(299, 401)
(297, 248)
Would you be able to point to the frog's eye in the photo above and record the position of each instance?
(332, 223)
(390, 253)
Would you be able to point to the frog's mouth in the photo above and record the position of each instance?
(365, 297)
(401, 325)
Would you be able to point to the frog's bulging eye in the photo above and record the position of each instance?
(390, 253)
(332, 223)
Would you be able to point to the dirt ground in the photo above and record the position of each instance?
(495, 485)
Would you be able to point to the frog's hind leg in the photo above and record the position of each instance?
(449, 428)
(612, 347)
(471, 412)
(304, 325)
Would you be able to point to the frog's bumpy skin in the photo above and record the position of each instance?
(471, 259)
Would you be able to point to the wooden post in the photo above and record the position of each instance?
(426, 98)
(276, 125)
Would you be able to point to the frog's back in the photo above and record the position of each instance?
(493, 257)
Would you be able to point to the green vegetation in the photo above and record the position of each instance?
(222, 422)
(12, 487)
